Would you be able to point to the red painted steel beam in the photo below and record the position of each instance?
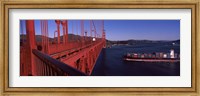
(66, 32)
(55, 36)
(47, 36)
(82, 30)
(30, 30)
(96, 47)
(58, 29)
(64, 27)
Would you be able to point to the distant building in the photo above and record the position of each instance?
(172, 53)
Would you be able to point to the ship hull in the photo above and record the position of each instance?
(151, 60)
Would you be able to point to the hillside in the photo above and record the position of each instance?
(136, 42)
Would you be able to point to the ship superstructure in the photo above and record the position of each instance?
(153, 57)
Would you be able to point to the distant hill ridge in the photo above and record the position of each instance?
(77, 37)
(132, 42)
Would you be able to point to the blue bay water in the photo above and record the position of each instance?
(110, 61)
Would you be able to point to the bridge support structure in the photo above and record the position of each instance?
(50, 58)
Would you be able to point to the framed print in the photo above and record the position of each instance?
(100, 47)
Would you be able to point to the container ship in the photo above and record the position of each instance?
(153, 57)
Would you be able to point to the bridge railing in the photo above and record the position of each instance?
(48, 66)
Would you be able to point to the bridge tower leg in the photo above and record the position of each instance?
(63, 23)
(66, 32)
(47, 35)
(58, 29)
(30, 30)
(82, 30)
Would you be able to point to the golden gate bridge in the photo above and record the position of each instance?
(61, 56)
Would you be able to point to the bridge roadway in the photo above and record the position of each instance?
(83, 58)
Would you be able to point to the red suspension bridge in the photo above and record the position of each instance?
(61, 55)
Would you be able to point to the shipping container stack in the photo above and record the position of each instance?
(154, 55)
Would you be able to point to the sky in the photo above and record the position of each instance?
(121, 29)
